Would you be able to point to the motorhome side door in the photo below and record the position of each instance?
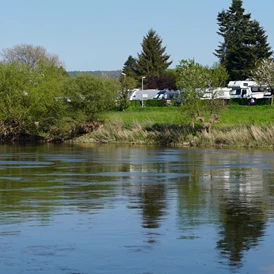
(244, 93)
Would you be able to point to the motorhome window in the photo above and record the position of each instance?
(255, 89)
(235, 92)
(246, 84)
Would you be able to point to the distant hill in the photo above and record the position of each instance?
(104, 73)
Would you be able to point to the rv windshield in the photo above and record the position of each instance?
(159, 95)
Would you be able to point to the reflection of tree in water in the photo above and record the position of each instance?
(153, 204)
(243, 226)
(191, 205)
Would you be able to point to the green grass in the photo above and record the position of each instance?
(247, 115)
(159, 115)
(231, 116)
(243, 126)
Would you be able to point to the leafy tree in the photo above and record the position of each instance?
(30, 55)
(193, 78)
(244, 41)
(48, 105)
(263, 74)
(167, 80)
(29, 98)
(152, 60)
(127, 84)
(90, 96)
(191, 75)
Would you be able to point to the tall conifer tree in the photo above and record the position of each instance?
(244, 41)
(152, 60)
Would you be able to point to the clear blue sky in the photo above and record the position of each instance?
(101, 34)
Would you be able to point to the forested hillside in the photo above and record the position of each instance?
(109, 74)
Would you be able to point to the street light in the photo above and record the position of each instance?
(143, 89)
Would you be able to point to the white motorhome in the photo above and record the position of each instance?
(217, 93)
(247, 89)
(146, 94)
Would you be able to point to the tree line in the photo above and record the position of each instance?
(38, 95)
(242, 52)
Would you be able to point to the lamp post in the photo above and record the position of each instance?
(125, 79)
(143, 89)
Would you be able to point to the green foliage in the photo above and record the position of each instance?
(244, 41)
(245, 101)
(263, 74)
(115, 74)
(130, 68)
(193, 78)
(154, 103)
(29, 96)
(191, 75)
(166, 80)
(90, 95)
(127, 84)
(152, 59)
(134, 104)
(30, 55)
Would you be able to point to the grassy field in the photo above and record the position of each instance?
(245, 126)
(231, 116)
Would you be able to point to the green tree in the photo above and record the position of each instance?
(30, 55)
(194, 78)
(167, 80)
(130, 68)
(127, 84)
(90, 96)
(29, 97)
(152, 60)
(263, 74)
(244, 41)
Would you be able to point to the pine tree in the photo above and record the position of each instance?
(152, 60)
(244, 41)
(130, 68)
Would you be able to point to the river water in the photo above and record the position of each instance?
(135, 210)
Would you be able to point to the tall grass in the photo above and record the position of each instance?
(241, 136)
(248, 126)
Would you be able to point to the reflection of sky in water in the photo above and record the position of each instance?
(112, 209)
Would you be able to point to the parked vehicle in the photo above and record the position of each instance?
(146, 94)
(248, 89)
(217, 93)
(168, 96)
(160, 94)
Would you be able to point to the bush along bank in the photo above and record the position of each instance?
(15, 132)
(180, 135)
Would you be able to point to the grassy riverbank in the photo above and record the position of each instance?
(248, 126)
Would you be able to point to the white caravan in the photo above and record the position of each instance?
(217, 93)
(247, 89)
(146, 94)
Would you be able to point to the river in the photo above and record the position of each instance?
(115, 209)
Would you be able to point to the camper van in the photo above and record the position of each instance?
(247, 89)
(217, 93)
(168, 96)
(146, 94)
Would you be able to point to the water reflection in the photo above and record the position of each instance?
(199, 209)
(242, 227)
